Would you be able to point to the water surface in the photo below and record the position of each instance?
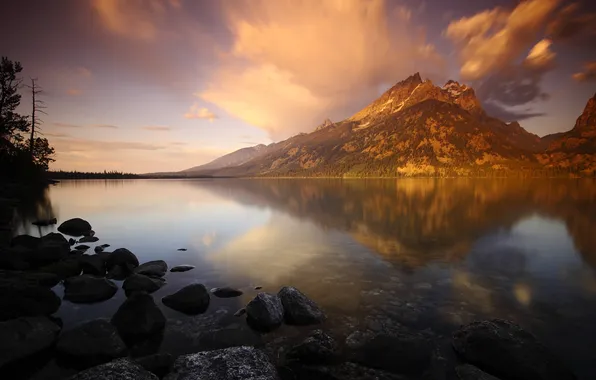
(429, 254)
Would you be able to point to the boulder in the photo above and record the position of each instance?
(30, 278)
(298, 308)
(75, 227)
(118, 273)
(51, 248)
(141, 283)
(121, 369)
(156, 268)
(124, 258)
(95, 264)
(98, 249)
(235, 363)
(88, 239)
(19, 299)
(104, 245)
(316, 349)
(23, 337)
(265, 311)
(89, 233)
(182, 268)
(72, 241)
(88, 289)
(158, 364)
(240, 312)
(26, 241)
(192, 299)
(469, 372)
(65, 268)
(138, 318)
(82, 247)
(226, 292)
(90, 344)
(506, 350)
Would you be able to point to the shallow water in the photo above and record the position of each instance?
(429, 254)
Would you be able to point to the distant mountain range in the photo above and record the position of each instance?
(418, 129)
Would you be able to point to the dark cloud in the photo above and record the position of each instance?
(572, 22)
(505, 114)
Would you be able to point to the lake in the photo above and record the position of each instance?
(428, 254)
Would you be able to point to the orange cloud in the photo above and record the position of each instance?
(588, 74)
(73, 92)
(196, 112)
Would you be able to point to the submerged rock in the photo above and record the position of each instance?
(226, 292)
(192, 299)
(82, 247)
(182, 268)
(75, 227)
(95, 264)
(90, 344)
(469, 372)
(317, 348)
(138, 282)
(19, 299)
(124, 258)
(23, 337)
(181, 249)
(104, 245)
(88, 289)
(265, 311)
(121, 369)
(298, 308)
(138, 317)
(235, 363)
(506, 350)
(153, 268)
(88, 239)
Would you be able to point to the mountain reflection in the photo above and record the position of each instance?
(416, 222)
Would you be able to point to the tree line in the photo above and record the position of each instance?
(112, 174)
(24, 155)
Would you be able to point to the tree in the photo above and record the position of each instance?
(41, 153)
(11, 123)
(37, 106)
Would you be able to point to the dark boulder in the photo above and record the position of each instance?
(118, 273)
(469, 372)
(235, 363)
(51, 248)
(121, 369)
(72, 241)
(506, 350)
(298, 308)
(65, 268)
(82, 247)
(23, 337)
(88, 239)
(138, 318)
(182, 268)
(141, 283)
(226, 292)
(265, 311)
(75, 227)
(318, 348)
(98, 249)
(95, 264)
(153, 268)
(192, 299)
(26, 241)
(104, 245)
(89, 233)
(19, 299)
(158, 364)
(88, 289)
(124, 258)
(30, 278)
(90, 344)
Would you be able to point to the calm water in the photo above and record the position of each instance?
(430, 254)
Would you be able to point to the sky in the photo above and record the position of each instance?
(163, 85)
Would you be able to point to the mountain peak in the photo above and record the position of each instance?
(587, 120)
(326, 123)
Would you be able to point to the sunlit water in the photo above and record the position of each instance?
(429, 254)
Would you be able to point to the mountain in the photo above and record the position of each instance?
(235, 158)
(413, 129)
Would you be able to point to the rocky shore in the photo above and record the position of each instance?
(130, 344)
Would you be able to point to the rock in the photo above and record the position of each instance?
(316, 349)
(118, 273)
(65, 268)
(469, 372)
(153, 268)
(141, 283)
(82, 247)
(258, 287)
(24, 337)
(192, 299)
(88, 289)
(121, 369)
(95, 264)
(75, 227)
(88, 239)
(138, 318)
(90, 344)
(344, 371)
(13, 258)
(298, 308)
(104, 245)
(19, 299)
(381, 352)
(98, 249)
(226, 292)
(265, 311)
(182, 268)
(72, 241)
(51, 248)
(124, 258)
(44, 222)
(240, 312)
(235, 363)
(26, 241)
(158, 364)
(505, 350)
(89, 233)
(182, 249)
(30, 278)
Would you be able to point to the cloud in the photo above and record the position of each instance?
(540, 58)
(66, 125)
(501, 112)
(73, 92)
(196, 112)
(291, 64)
(491, 40)
(572, 23)
(56, 134)
(156, 128)
(588, 74)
